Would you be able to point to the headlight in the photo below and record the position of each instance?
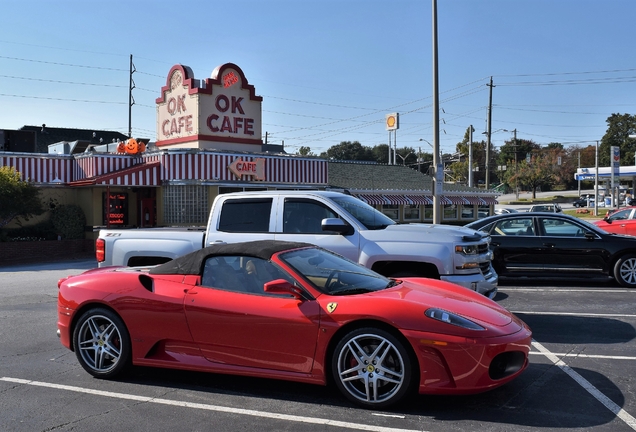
(467, 250)
(451, 318)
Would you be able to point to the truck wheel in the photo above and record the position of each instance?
(372, 368)
(102, 343)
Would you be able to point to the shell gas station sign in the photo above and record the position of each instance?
(222, 112)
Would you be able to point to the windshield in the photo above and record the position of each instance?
(333, 274)
(364, 213)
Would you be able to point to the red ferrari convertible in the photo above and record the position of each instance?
(296, 312)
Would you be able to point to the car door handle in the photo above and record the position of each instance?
(495, 244)
(550, 245)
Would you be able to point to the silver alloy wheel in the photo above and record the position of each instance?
(99, 343)
(627, 270)
(370, 368)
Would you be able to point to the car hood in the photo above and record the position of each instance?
(450, 297)
(422, 232)
(404, 307)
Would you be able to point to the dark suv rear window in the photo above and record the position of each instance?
(245, 215)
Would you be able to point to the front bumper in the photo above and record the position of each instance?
(456, 365)
(483, 284)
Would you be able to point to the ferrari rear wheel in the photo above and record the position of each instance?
(372, 368)
(102, 343)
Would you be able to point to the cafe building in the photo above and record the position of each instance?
(208, 142)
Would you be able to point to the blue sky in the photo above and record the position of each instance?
(329, 71)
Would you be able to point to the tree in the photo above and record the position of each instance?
(540, 171)
(459, 170)
(619, 127)
(348, 150)
(381, 153)
(18, 198)
(305, 151)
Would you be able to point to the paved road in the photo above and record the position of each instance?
(581, 376)
(507, 198)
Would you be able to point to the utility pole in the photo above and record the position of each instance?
(471, 129)
(131, 100)
(489, 133)
(579, 181)
(596, 183)
(516, 170)
(437, 179)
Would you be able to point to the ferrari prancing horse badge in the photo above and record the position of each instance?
(331, 307)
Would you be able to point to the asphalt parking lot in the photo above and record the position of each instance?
(581, 375)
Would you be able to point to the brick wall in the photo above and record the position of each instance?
(45, 251)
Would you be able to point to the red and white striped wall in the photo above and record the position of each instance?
(40, 168)
(153, 168)
(214, 167)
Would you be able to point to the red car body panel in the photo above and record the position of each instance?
(175, 323)
(623, 221)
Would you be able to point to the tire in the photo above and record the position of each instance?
(577, 205)
(102, 343)
(372, 368)
(625, 271)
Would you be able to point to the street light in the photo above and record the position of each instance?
(405, 157)
(432, 147)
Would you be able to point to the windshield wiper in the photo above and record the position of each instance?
(354, 290)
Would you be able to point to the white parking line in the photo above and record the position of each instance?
(556, 289)
(576, 314)
(609, 404)
(595, 356)
(263, 414)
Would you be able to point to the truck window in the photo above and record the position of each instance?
(305, 216)
(364, 213)
(245, 215)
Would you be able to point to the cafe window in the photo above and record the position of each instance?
(185, 204)
(450, 211)
(483, 211)
(428, 212)
(392, 211)
(411, 212)
(468, 212)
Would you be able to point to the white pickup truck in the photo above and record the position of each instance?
(335, 221)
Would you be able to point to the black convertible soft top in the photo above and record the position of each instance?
(192, 263)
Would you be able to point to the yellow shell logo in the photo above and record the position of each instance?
(332, 307)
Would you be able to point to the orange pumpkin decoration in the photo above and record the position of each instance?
(121, 147)
(131, 146)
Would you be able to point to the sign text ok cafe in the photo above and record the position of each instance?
(220, 112)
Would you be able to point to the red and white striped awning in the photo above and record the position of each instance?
(372, 199)
(474, 200)
(144, 174)
(396, 199)
(420, 199)
(489, 200)
(457, 200)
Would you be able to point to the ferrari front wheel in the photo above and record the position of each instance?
(102, 343)
(372, 368)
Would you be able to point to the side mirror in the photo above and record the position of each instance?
(336, 225)
(281, 286)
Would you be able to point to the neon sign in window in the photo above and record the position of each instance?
(115, 207)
